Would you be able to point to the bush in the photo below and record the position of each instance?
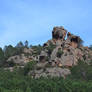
(59, 53)
(29, 66)
(82, 71)
(16, 82)
(37, 49)
(50, 48)
(11, 63)
(20, 83)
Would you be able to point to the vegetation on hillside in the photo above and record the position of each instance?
(10, 50)
(90, 47)
(79, 81)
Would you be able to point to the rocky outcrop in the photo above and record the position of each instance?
(22, 59)
(42, 56)
(52, 72)
(67, 53)
(19, 59)
(59, 33)
(56, 56)
(75, 40)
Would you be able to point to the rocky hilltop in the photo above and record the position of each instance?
(56, 56)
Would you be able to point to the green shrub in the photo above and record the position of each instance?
(11, 63)
(29, 66)
(82, 71)
(59, 53)
(50, 48)
(12, 82)
(37, 49)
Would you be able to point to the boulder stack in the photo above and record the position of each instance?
(57, 55)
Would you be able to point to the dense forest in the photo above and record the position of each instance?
(80, 79)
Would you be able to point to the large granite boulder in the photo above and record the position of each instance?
(59, 33)
(19, 59)
(76, 41)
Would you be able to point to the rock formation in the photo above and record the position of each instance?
(59, 33)
(66, 53)
(57, 55)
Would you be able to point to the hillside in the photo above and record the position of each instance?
(56, 56)
(61, 61)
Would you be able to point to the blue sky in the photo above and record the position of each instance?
(33, 20)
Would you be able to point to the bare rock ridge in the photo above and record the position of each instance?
(64, 50)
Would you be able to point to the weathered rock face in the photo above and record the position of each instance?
(43, 56)
(28, 51)
(75, 40)
(52, 72)
(66, 54)
(19, 60)
(57, 55)
(59, 33)
(67, 61)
